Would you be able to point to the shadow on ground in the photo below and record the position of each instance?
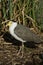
(8, 38)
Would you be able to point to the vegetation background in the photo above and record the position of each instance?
(26, 12)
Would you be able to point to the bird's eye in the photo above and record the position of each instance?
(5, 23)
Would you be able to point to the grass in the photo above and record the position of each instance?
(18, 10)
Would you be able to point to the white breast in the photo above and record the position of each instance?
(11, 30)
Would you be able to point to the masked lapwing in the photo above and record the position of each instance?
(22, 33)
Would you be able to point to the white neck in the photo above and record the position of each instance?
(11, 30)
(12, 27)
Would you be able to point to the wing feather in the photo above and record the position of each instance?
(26, 34)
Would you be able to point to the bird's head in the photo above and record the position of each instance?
(7, 23)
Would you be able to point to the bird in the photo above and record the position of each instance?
(22, 33)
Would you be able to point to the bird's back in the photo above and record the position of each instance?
(26, 34)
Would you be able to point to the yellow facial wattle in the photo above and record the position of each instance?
(9, 23)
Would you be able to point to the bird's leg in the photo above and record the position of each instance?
(22, 49)
(19, 51)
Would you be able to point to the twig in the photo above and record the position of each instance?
(19, 20)
(23, 15)
(33, 22)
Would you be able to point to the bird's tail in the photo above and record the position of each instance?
(38, 39)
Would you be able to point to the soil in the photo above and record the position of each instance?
(8, 53)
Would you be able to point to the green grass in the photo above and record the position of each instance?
(17, 10)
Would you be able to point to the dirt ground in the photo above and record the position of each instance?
(8, 54)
